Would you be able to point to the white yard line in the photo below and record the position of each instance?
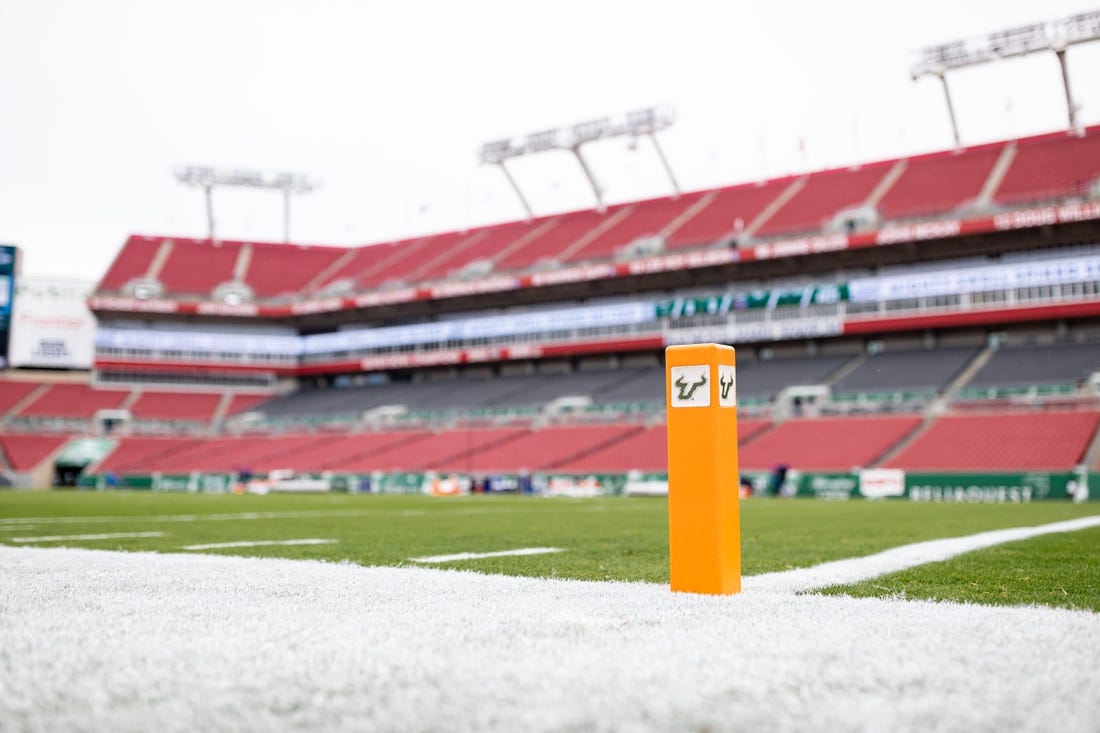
(235, 516)
(82, 537)
(225, 517)
(480, 555)
(859, 569)
(257, 543)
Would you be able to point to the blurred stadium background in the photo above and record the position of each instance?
(924, 326)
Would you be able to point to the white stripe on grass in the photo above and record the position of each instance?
(154, 518)
(480, 555)
(859, 569)
(83, 537)
(257, 543)
(220, 643)
(6, 522)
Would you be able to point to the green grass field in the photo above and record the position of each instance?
(600, 539)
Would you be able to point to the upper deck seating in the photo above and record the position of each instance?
(132, 261)
(1051, 167)
(824, 195)
(279, 269)
(196, 268)
(730, 211)
(939, 182)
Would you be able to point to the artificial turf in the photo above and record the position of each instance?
(610, 538)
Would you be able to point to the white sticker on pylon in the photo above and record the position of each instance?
(691, 386)
(727, 385)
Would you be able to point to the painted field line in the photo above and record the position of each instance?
(481, 555)
(105, 536)
(859, 569)
(257, 543)
(235, 516)
(226, 517)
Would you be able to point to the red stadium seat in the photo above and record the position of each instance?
(827, 444)
(1054, 440)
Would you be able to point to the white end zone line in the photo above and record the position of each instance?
(257, 543)
(481, 555)
(859, 569)
(105, 536)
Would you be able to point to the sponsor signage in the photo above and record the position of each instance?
(828, 485)
(982, 488)
(1033, 273)
(8, 260)
(880, 483)
(986, 488)
(723, 303)
(51, 325)
(466, 329)
(248, 344)
(732, 333)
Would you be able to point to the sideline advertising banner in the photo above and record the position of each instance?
(51, 325)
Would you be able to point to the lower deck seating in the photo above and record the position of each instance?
(74, 400)
(827, 444)
(645, 450)
(1033, 440)
(12, 393)
(548, 448)
(25, 452)
(145, 455)
(448, 450)
(1054, 440)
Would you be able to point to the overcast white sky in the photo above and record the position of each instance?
(386, 104)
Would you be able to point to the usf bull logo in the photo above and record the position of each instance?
(687, 391)
(689, 386)
(724, 384)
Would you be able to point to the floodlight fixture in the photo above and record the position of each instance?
(643, 122)
(208, 177)
(1055, 35)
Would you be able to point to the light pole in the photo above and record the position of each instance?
(207, 178)
(1055, 35)
(644, 122)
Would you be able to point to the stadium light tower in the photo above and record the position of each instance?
(644, 122)
(207, 178)
(1055, 35)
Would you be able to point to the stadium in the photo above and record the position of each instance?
(422, 483)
